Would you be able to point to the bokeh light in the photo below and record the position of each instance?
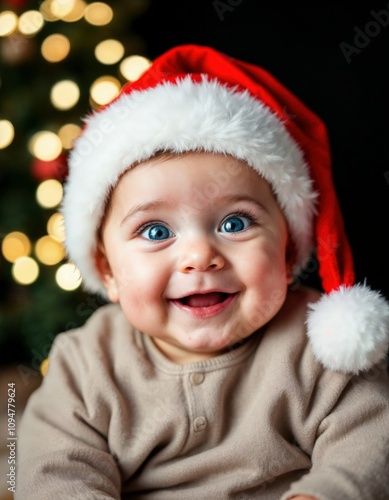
(133, 67)
(64, 94)
(68, 133)
(46, 10)
(61, 8)
(49, 251)
(8, 22)
(49, 193)
(76, 13)
(55, 47)
(25, 270)
(45, 145)
(104, 89)
(44, 366)
(68, 277)
(109, 51)
(7, 133)
(56, 227)
(15, 245)
(30, 22)
(98, 14)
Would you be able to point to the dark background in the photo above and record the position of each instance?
(332, 55)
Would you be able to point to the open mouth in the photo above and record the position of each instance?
(205, 304)
(204, 299)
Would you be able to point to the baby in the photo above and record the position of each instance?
(192, 202)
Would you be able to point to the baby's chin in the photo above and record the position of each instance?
(195, 348)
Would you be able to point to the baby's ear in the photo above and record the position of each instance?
(105, 273)
(290, 259)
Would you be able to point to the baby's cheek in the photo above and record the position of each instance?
(130, 276)
(138, 292)
(134, 307)
(271, 267)
(266, 291)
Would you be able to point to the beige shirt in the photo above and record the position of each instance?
(114, 419)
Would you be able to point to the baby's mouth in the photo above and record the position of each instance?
(204, 299)
(205, 305)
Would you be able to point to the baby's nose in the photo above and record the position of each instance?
(200, 255)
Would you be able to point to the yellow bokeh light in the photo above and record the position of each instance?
(68, 277)
(8, 22)
(133, 67)
(15, 245)
(49, 251)
(25, 270)
(7, 133)
(65, 94)
(104, 89)
(68, 133)
(30, 22)
(76, 13)
(44, 367)
(49, 193)
(56, 227)
(109, 51)
(98, 14)
(55, 48)
(61, 8)
(45, 145)
(46, 11)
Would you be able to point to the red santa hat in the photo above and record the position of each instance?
(195, 98)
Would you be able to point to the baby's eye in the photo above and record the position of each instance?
(156, 232)
(235, 223)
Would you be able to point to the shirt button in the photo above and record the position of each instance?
(196, 378)
(199, 424)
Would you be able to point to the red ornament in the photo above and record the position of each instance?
(54, 169)
(15, 4)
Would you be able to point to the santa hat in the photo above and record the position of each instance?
(195, 98)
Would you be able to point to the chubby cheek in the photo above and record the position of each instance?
(139, 285)
(266, 285)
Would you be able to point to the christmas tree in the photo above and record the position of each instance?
(59, 59)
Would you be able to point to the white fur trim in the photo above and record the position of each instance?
(181, 117)
(349, 329)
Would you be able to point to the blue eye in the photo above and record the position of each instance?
(156, 232)
(235, 223)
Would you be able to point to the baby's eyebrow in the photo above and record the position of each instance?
(236, 198)
(160, 204)
(145, 207)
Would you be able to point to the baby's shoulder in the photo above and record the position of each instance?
(288, 328)
(102, 339)
(286, 342)
(288, 362)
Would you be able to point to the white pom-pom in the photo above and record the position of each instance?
(349, 329)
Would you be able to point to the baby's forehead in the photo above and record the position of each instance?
(222, 169)
(207, 176)
(215, 161)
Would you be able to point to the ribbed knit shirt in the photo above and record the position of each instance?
(114, 419)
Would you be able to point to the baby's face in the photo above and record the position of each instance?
(195, 253)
